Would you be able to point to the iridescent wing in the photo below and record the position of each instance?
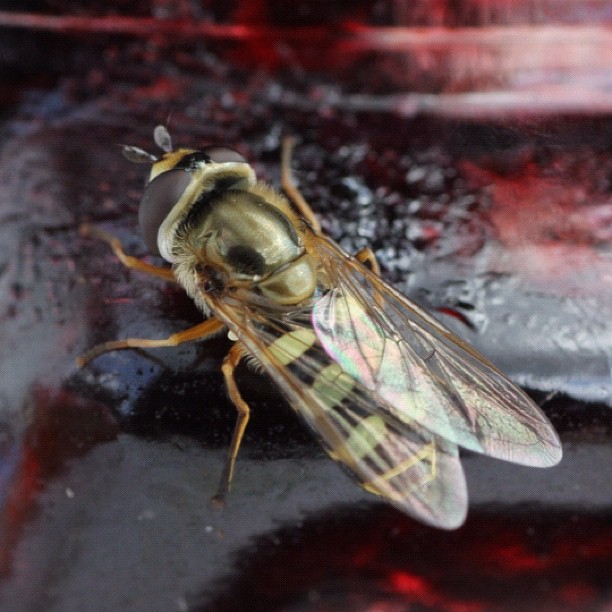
(400, 460)
(422, 371)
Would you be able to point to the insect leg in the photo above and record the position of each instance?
(202, 330)
(367, 258)
(290, 187)
(230, 363)
(127, 260)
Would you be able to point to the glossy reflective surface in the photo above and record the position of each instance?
(499, 225)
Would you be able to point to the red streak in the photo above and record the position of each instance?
(19, 506)
(409, 584)
(416, 589)
(517, 558)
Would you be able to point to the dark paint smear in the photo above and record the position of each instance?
(378, 559)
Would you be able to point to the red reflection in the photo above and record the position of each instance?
(408, 583)
(380, 560)
(552, 220)
(416, 589)
(514, 557)
(533, 59)
(18, 506)
(64, 425)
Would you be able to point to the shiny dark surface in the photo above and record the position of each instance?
(500, 226)
(379, 560)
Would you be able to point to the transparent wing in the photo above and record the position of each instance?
(400, 460)
(421, 370)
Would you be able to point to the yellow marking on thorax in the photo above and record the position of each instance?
(292, 345)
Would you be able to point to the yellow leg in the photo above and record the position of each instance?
(367, 258)
(230, 363)
(202, 330)
(127, 260)
(290, 187)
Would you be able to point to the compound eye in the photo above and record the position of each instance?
(221, 155)
(158, 199)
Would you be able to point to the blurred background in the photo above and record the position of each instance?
(468, 143)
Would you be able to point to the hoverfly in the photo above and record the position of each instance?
(389, 391)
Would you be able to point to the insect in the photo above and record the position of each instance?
(389, 391)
